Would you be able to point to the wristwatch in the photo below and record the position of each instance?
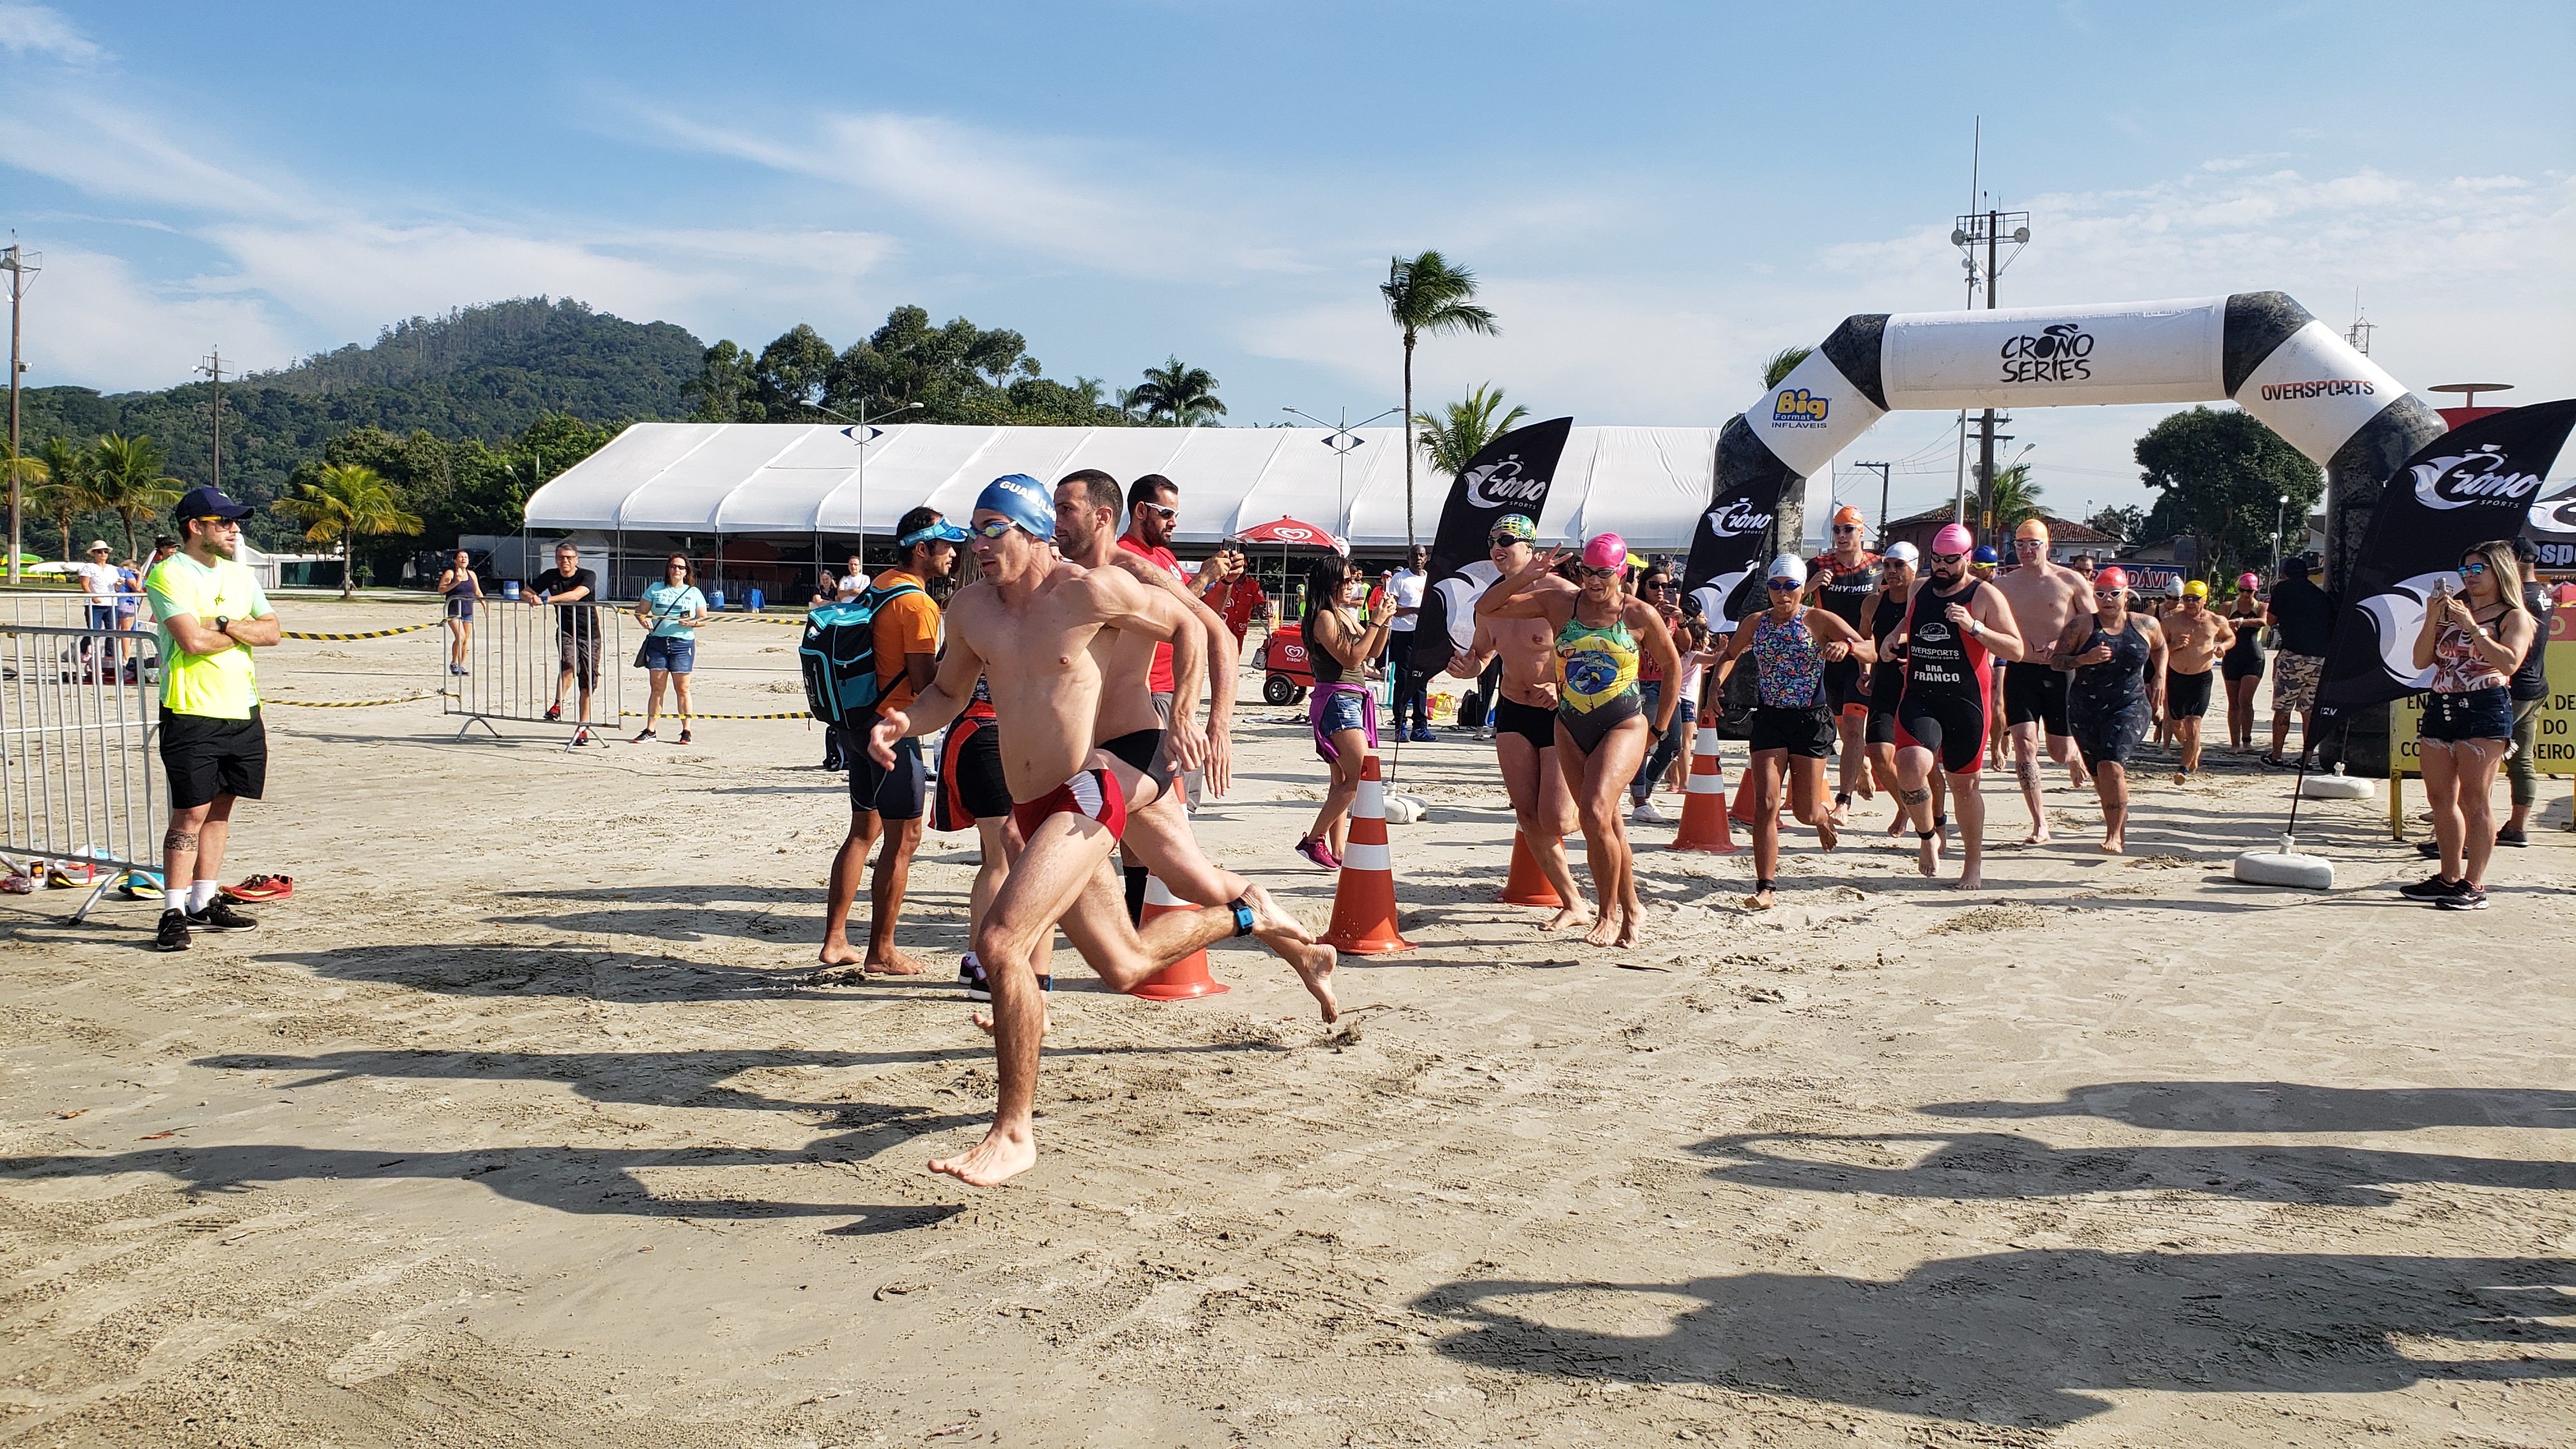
(222, 625)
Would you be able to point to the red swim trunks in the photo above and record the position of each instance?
(1093, 795)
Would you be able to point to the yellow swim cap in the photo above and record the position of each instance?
(2196, 589)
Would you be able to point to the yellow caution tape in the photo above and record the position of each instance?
(354, 703)
(370, 634)
(666, 714)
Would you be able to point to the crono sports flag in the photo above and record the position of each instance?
(1727, 546)
(2476, 483)
(1511, 474)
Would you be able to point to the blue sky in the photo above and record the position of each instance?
(1656, 196)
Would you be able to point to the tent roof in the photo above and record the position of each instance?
(795, 478)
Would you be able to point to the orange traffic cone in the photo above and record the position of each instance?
(1704, 812)
(1364, 901)
(1527, 886)
(1185, 978)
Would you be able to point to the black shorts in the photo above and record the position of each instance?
(2035, 692)
(1883, 695)
(2241, 664)
(899, 793)
(1532, 722)
(2109, 737)
(1806, 733)
(1846, 686)
(1143, 752)
(1952, 726)
(580, 654)
(2187, 695)
(971, 786)
(205, 757)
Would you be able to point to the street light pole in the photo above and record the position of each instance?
(1341, 439)
(863, 437)
(2280, 516)
(18, 266)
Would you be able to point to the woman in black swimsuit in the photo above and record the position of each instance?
(2242, 665)
(2118, 659)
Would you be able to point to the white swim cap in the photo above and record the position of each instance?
(1787, 566)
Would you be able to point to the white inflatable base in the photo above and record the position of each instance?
(2339, 787)
(2285, 868)
(1405, 809)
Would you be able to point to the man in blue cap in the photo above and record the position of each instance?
(212, 613)
(895, 793)
(1026, 628)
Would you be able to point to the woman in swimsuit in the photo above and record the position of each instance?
(462, 588)
(1342, 713)
(2242, 665)
(1602, 733)
(2117, 655)
(2473, 644)
(1793, 729)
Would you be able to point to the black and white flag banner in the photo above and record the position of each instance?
(1511, 474)
(1726, 548)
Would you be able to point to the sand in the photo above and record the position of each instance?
(522, 1124)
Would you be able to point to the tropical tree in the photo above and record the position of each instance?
(22, 477)
(126, 478)
(1777, 367)
(2220, 477)
(343, 501)
(2016, 497)
(2122, 521)
(61, 488)
(1426, 296)
(1185, 396)
(1452, 442)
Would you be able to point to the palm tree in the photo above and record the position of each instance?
(343, 501)
(62, 490)
(26, 477)
(125, 478)
(1777, 367)
(2016, 498)
(1186, 395)
(1454, 443)
(1425, 296)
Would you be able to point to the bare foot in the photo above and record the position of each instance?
(2113, 844)
(2038, 835)
(1826, 833)
(895, 963)
(1972, 879)
(1627, 926)
(2182, 777)
(1840, 815)
(1604, 931)
(1574, 913)
(995, 1160)
(1268, 918)
(1897, 826)
(1763, 900)
(838, 953)
(1927, 854)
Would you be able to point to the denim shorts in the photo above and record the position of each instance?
(2479, 714)
(676, 655)
(1340, 710)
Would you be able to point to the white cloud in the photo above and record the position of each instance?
(91, 321)
(36, 30)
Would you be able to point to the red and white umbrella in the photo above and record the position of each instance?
(1294, 533)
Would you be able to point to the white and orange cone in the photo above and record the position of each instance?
(1183, 979)
(1704, 812)
(1364, 900)
(1527, 885)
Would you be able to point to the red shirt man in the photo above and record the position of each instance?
(1153, 512)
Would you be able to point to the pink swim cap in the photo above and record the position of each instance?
(1953, 539)
(1606, 551)
(2248, 581)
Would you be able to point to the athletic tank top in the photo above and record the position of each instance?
(2116, 682)
(1845, 591)
(2248, 648)
(2458, 668)
(1938, 658)
(1319, 660)
(1785, 655)
(1884, 618)
(1596, 662)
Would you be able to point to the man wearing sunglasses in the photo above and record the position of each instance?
(1153, 516)
(212, 613)
(2045, 597)
(1525, 715)
(1841, 581)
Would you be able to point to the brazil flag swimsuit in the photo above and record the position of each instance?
(1597, 669)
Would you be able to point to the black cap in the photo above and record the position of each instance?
(207, 503)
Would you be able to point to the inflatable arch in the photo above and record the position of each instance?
(2259, 350)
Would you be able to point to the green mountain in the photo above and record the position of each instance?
(485, 373)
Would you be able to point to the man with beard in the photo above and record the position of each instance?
(1153, 516)
(1525, 717)
(2044, 598)
(1840, 581)
(2194, 638)
(1026, 626)
(1953, 622)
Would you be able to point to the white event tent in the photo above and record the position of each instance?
(808, 487)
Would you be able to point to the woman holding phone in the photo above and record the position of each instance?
(1342, 712)
(673, 609)
(2473, 639)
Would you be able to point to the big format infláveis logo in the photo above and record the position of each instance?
(1796, 407)
(2485, 476)
(2321, 387)
(2061, 352)
(1736, 518)
(1501, 484)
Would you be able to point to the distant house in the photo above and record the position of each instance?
(2066, 537)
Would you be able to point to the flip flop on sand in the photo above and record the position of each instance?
(263, 888)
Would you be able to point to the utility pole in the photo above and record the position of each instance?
(1988, 227)
(213, 367)
(19, 266)
(1882, 499)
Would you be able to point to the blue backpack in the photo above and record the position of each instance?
(839, 657)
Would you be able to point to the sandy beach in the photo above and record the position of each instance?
(523, 1123)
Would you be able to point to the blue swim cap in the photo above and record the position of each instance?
(1023, 500)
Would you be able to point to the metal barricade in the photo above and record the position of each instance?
(526, 657)
(79, 775)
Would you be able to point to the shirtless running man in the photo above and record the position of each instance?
(1027, 627)
(2044, 598)
(2194, 638)
(1525, 718)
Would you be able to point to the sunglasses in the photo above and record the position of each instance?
(1846, 528)
(1166, 514)
(994, 527)
(1948, 557)
(1501, 540)
(1612, 572)
(2472, 570)
(1662, 586)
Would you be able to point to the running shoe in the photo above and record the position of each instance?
(1319, 853)
(684, 734)
(554, 712)
(218, 915)
(583, 736)
(172, 934)
(18, 883)
(641, 736)
(1425, 737)
(2432, 888)
(260, 888)
(2466, 898)
(1647, 814)
(2512, 837)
